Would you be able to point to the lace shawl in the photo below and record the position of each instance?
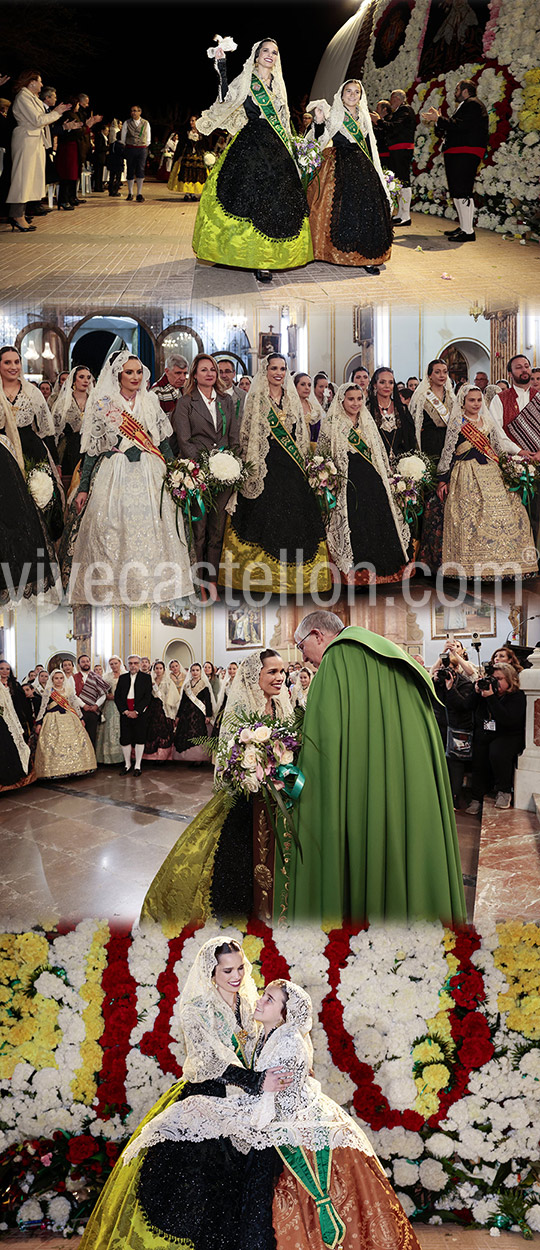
(334, 122)
(30, 406)
(13, 725)
(300, 1115)
(230, 115)
(418, 402)
(191, 692)
(168, 692)
(245, 695)
(103, 412)
(335, 442)
(255, 433)
(65, 410)
(66, 692)
(484, 421)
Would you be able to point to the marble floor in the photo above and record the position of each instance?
(508, 876)
(111, 253)
(91, 846)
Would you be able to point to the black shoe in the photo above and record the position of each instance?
(75, 201)
(129, 197)
(450, 234)
(396, 221)
(40, 212)
(124, 771)
(263, 275)
(16, 226)
(137, 772)
(67, 208)
(371, 269)
(461, 237)
(140, 199)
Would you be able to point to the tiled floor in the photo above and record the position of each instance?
(111, 253)
(91, 846)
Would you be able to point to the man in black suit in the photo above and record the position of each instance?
(465, 136)
(205, 417)
(132, 697)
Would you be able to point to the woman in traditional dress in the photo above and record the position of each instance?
(311, 408)
(196, 711)
(67, 414)
(163, 711)
(487, 531)
(108, 749)
(349, 200)
(327, 1183)
(209, 871)
(189, 172)
(27, 553)
(253, 212)
(177, 674)
(430, 408)
(366, 527)
(30, 409)
(64, 748)
(275, 536)
(14, 749)
(215, 1196)
(392, 418)
(119, 519)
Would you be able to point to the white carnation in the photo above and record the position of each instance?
(432, 1174)
(41, 487)
(411, 466)
(224, 467)
(405, 1173)
(29, 1212)
(59, 1211)
(440, 1145)
(407, 1203)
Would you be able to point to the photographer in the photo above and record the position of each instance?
(499, 735)
(455, 719)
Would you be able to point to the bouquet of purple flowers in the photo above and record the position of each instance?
(308, 157)
(257, 757)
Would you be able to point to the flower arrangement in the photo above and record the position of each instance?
(394, 186)
(431, 1035)
(308, 157)
(412, 480)
(209, 160)
(258, 758)
(520, 477)
(224, 468)
(40, 483)
(325, 479)
(507, 79)
(187, 484)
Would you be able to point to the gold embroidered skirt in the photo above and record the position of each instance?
(64, 748)
(486, 531)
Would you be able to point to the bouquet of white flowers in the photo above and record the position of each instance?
(40, 483)
(223, 468)
(412, 480)
(186, 482)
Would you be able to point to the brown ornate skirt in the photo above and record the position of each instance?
(362, 1196)
(348, 211)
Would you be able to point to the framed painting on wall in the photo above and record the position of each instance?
(245, 628)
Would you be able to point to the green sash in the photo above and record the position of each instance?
(358, 444)
(239, 1050)
(262, 97)
(284, 438)
(354, 130)
(223, 419)
(316, 1180)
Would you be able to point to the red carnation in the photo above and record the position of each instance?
(81, 1148)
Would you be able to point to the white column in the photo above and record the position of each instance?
(527, 775)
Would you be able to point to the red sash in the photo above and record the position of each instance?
(131, 705)
(131, 428)
(465, 151)
(401, 147)
(61, 700)
(479, 440)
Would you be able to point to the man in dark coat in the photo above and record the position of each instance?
(400, 129)
(465, 135)
(132, 697)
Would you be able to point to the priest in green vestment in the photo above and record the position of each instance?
(375, 819)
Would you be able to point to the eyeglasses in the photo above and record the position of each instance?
(300, 644)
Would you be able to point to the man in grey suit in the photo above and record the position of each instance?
(227, 372)
(205, 418)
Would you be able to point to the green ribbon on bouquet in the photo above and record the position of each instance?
(293, 783)
(525, 487)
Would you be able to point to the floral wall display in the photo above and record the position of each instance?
(430, 1037)
(507, 188)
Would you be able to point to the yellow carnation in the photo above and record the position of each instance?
(436, 1076)
(427, 1051)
